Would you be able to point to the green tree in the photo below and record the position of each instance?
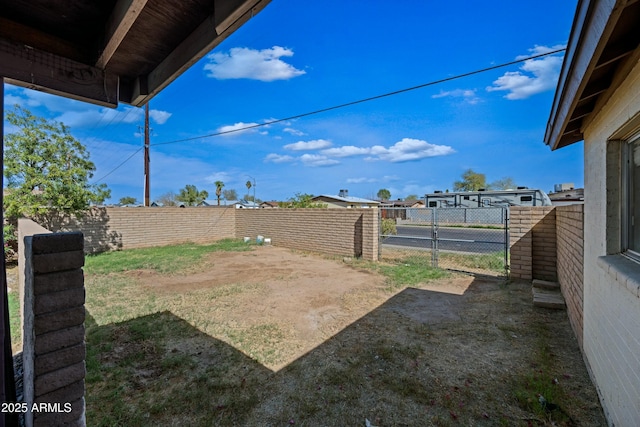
(471, 181)
(128, 200)
(230, 194)
(384, 194)
(411, 197)
(302, 200)
(190, 195)
(219, 185)
(47, 169)
(506, 183)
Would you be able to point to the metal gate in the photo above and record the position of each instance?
(474, 240)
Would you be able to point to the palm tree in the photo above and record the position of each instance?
(219, 185)
(248, 184)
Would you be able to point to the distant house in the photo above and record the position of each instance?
(238, 204)
(598, 101)
(401, 203)
(401, 209)
(570, 196)
(269, 205)
(345, 201)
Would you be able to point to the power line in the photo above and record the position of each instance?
(118, 167)
(360, 101)
(347, 104)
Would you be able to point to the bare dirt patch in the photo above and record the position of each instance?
(275, 337)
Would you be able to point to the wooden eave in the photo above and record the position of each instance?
(111, 51)
(603, 45)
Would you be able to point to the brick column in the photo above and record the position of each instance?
(520, 243)
(53, 341)
(532, 240)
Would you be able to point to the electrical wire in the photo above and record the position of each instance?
(360, 101)
(118, 167)
(347, 104)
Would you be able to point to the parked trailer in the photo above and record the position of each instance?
(480, 199)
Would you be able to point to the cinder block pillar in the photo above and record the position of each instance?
(520, 236)
(53, 344)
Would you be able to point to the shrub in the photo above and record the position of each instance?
(389, 226)
(10, 241)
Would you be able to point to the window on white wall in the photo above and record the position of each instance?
(631, 194)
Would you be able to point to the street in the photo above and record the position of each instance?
(473, 240)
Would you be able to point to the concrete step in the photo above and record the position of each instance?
(544, 284)
(548, 298)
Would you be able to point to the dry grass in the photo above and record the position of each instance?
(449, 351)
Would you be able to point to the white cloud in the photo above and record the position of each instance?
(244, 63)
(386, 178)
(218, 176)
(317, 160)
(536, 75)
(293, 131)
(407, 149)
(315, 144)
(102, 117)
(11, 100)
(277, 158)
(237, 128)
(361, 180)
(468, 95)
(346, 151)
(158, 116)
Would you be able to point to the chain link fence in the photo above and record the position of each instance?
(474, 240)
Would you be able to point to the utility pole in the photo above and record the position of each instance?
(146, 154)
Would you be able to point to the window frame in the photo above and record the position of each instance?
(629, 209)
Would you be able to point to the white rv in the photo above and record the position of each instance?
(522, 196)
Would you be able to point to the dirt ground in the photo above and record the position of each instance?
(309, 298)
(278, 337)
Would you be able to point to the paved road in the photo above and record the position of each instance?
(474, 240)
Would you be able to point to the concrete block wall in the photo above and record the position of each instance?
(127, 228)
(53, 297)
(570, 236)
(532, 241)
(348, 232)
(520, 239)
(544, 243)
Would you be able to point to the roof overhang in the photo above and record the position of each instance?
(602, 48)
(111, 51)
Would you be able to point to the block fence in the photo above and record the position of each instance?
(126, 228)
(52, 298)
(349, 232)
(570, 237)
(532, 241)
(548, 243)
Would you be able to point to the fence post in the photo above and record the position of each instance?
(434, 238)
(505, 214)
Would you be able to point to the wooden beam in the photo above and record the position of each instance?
(227, 12)
(34, 69)
(193, 48)
(124, 15)
(582, 111)
(615, 53)
(29, 36)
(593, 24)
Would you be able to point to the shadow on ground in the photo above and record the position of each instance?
(422, 358)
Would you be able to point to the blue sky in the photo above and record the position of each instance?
(296, 57)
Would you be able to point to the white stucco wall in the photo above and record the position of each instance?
(611, 283)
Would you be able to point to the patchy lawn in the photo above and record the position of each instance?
(274, 337)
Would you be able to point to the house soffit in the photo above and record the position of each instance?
(603, 45)
(111, 51)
